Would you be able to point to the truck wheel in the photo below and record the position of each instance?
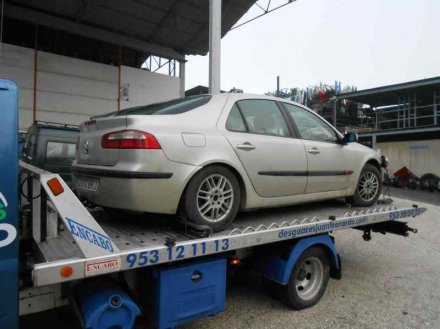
(212, 198)
(368, 188)
(308, 279)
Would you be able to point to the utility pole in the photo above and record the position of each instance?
(278, 86)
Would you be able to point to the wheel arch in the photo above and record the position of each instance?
(373, 162)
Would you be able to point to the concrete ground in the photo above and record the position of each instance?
(388, 282)
(417, 195)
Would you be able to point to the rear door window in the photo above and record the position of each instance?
(60, 153)
(263, 117)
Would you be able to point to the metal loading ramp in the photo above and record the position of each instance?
(132, 232)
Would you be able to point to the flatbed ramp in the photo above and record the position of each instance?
(135, 231)
(85, 243)
(152, 240)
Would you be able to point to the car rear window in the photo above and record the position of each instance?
(175, 106)
(60, 153)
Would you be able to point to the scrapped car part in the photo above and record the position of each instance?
(430, 182)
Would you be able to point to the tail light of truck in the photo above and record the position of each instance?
(129, 139)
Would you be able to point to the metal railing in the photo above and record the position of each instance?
(400, 118)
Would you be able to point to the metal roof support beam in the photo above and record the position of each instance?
(59, 23)
(215, 29)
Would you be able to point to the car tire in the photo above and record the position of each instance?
(367, 192)
(308, 279)
(212, 198)
(429, 182)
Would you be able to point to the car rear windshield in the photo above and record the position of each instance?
(174, 106)
(60, 153)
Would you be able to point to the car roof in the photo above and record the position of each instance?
(55, 125)
(240, 96)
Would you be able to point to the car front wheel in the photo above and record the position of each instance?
(212, 198)
(368, 188)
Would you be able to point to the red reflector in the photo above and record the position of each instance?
(55, 186)
(129, 139)
(66, 271)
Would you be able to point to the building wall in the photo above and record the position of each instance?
(145, 87)
(421, 157)
(17, 64)
(70, 90)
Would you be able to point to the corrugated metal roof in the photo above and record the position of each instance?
(388, 95)
(181, 25)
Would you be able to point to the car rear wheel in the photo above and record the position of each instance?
(212, 198)
(368, 188)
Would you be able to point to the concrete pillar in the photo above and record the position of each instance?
(215, 27)
(182, 78)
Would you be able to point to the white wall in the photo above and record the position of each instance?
(17, 64)
(70, 90)
(146, 87)
(420, 157)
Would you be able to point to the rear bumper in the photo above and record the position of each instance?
(155, 192)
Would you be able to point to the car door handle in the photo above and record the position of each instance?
(246, 146)
(314, 150)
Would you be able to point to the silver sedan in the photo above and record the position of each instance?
(208, 157)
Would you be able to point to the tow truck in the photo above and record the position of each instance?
(119, 271)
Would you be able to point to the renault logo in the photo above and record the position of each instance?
(86, 147)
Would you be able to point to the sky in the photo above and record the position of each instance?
(362, 43)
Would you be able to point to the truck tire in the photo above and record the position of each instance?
(212, 197)
(309, 278)
(368, 188)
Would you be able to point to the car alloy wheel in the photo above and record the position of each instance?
(368, 186)
(212, 198)
(215, 198)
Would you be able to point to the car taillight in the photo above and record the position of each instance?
(129, 139)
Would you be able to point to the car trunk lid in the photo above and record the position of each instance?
(89, 148)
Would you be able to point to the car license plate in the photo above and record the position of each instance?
(88, 183)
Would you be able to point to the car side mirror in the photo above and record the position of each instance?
(349, 138)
